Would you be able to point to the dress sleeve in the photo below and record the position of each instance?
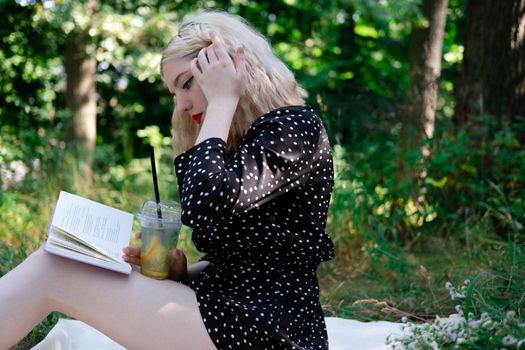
(276, 157)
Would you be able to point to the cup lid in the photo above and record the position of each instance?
(170, 211)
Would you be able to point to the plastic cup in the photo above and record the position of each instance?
(159, 236)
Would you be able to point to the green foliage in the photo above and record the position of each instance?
(396, 251)
(481, 173)
(350, 55)
(29, 77)
(466, 177)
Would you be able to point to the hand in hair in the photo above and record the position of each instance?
(219, 76)
(222, 81)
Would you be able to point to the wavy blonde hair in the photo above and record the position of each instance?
(269, 84)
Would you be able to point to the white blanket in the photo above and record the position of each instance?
(343, 334)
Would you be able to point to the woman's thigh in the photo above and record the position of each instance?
(136, 311)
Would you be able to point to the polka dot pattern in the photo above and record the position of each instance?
(259, 215)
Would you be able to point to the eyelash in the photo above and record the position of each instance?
(187, 84)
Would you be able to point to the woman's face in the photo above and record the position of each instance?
(187, 93)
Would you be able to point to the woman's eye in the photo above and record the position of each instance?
(187, 84)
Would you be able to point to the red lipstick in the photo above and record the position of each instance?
(197, 118)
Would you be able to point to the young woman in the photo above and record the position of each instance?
(255, 176)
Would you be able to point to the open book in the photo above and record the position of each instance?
(90, 232)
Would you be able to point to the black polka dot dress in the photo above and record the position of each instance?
(260, 216)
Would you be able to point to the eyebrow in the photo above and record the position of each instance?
(178, 76)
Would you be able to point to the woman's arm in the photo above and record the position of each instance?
(284, 150)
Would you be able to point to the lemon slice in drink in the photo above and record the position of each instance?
(151, 248)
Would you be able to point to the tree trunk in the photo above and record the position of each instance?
(425, 59)
(492, 76)
(81, 97)
(425, 69)
(419, 114)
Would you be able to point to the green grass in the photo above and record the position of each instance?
(356, 291)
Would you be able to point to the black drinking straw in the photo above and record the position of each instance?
(155, 183)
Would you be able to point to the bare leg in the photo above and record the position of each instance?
(136, 311)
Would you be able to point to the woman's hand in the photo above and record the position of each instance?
(219, 76)
(179, 267)
(222, 81)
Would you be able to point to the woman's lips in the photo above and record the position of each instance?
(197, 118)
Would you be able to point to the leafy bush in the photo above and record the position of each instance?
(475, 171)
(470, 174)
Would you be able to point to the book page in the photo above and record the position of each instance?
(62, 239)
(99, 225)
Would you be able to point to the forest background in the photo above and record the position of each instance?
(424, 103)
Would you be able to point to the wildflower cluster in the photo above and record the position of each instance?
(459, 292)
(460, 331)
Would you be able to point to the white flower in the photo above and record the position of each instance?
(487, 323)
(509, 340)
(450, 334)
(474, 323)
(459, 310)
(457, 295)
(510, 315)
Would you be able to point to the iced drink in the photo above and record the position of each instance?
(160, 232)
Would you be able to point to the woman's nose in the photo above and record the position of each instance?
(183, 103)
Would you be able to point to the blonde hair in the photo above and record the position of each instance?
(269, 83)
